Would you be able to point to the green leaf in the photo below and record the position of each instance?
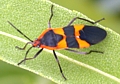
(31, 17)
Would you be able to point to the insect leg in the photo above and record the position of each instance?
(24, 46)
(94, 51)
(78, 52)
(30, 58)
(49, 25)
(84, 20)
(27, 53)
(59, 65)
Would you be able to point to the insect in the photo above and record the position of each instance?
(68, 37)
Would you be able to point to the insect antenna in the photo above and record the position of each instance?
(19, 31)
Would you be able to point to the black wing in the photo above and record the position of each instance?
(92, 34)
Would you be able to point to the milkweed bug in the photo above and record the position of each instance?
(70, 36)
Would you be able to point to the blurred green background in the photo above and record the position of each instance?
(94, 9)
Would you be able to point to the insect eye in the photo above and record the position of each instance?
(38, 46)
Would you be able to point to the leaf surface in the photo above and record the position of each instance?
(31, 17)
